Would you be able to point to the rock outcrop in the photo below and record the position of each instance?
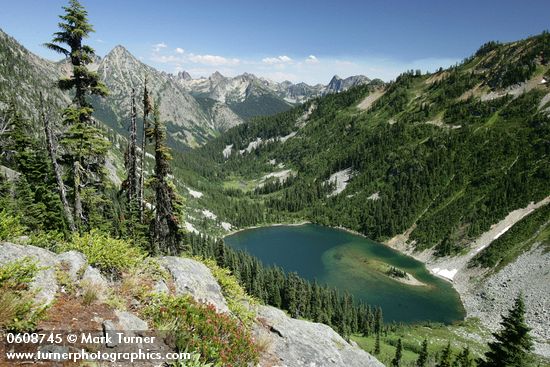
(295, 343)
(194, 278)
(289, 342)
(44, 283)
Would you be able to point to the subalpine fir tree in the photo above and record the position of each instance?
(464, 359)
(513, 343)
(83, 141)
(166, 232)
(445, 358)
(377, 344)
(396, 361)
(131, 184)
(423, 356)
(147, 108)
(34, 199)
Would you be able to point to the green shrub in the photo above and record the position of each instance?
(237, 299)
(18, 274)
(110, 255)
(10, 226)
(219, 338)
(50, 240)
(18, 311)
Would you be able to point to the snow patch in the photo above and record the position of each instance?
(281, 176)
(149, 155)
(445, 273)
(302, 120)
(209, 214)
(251, 146)
(340, 179)
(286, 137)
(226, 226)
(227, 151)
(375, 196)
(190, 228)
(195, 194)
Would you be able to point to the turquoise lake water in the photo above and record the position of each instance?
(353, 263)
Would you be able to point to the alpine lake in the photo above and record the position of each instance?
(355, 264)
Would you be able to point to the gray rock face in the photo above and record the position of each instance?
(93, 277)
(129, 321)
(121, 72)
(297, 343)
(194, 278)
(73, 262)
(44, 283)
(161, 287)
(338, 84)
(495, 295)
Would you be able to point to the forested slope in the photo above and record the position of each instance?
(450, 152)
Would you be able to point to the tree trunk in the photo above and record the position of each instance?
(133, 183)
(146, 110)
(77, 200)
(57, 170)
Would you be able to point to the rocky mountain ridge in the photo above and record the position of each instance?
(238, 88)
(195, 110)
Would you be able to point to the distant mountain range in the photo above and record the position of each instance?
(194, 110)
(238, 89)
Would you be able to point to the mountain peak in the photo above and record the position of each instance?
(183, 75)
(119, 51)
(216, 75)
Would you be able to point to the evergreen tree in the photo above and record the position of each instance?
(396, 361)
(377, 344)
(131, 184)
(464, 359)
(84, 142)
(147, 108)
(423, 356)
(35, 201)
(513, 343)
(445, 358)
(55, 166)
(378, 320)
(166, 232)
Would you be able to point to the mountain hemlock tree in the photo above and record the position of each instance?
(84, 142)
(147, 107)
(166, 232)
(513, 343)
(423, 356)
(396, 361)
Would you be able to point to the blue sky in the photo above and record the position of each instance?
(299, 40)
